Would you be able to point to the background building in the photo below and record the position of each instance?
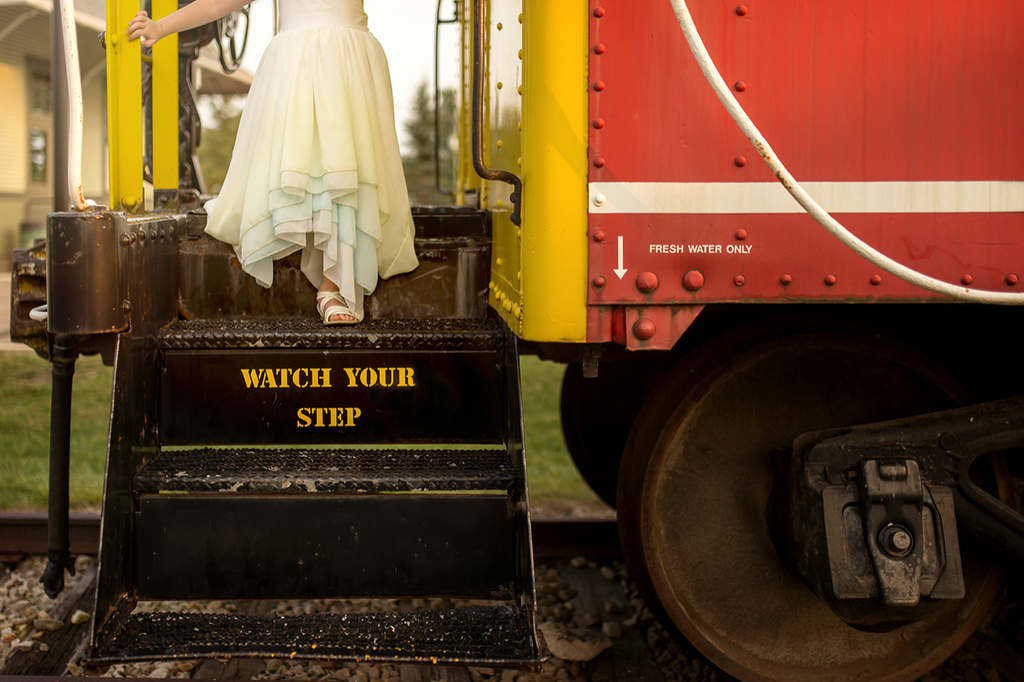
(26, 122)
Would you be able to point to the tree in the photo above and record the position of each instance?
(419, 163)
(218, 140)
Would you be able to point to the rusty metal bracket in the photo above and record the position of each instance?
(945, 446)
(901, 534)
(28, 291)
(868, 516)
(85, 287)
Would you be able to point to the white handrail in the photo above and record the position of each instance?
(75, 123)
(803, 198)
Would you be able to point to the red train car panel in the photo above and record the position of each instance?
(900, 118)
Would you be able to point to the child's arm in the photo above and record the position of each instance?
(194, 14)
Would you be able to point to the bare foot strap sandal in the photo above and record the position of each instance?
(330, 304)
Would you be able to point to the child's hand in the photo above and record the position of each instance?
(141, 26)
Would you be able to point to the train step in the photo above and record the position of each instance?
(472, 635)
(294, 381)
(292, 471)
(299, 332)
(274, 458)
(453, 245)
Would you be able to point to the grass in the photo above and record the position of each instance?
(555, 485)
(25, 431)
(554, 479)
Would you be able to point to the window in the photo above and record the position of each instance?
(39, 87)
(41, 95)
(37, 154)
(40, 125)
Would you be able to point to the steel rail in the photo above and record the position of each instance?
(24, 533)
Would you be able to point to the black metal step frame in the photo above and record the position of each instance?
(422, 540)
(149, 272)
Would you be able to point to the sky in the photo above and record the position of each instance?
(405, 28)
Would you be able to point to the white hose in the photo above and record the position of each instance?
(75, 123)
(38, 314)
(804, 199)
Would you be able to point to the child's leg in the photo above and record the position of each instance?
(330, 266)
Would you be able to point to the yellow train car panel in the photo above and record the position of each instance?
(555, 171)
(502, 150)
(537, 89)
(467, 181)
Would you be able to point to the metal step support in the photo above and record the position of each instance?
(270, 457)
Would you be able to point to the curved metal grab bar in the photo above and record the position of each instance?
(478, 119)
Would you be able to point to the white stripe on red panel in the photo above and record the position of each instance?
(997, 196)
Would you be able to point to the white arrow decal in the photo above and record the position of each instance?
(620, 271)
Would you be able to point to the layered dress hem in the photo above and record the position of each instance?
(316, 165)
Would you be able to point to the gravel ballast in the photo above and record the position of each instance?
(592, 609)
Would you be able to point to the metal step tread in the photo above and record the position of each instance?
(252, 470)
(474, 635)
(310, 332)
(437, 223)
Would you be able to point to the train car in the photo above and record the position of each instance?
(807, 413)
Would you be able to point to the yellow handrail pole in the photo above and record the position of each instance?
(124, 108)
(165, 104)
(468, 180)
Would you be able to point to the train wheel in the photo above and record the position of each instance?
(693, 492)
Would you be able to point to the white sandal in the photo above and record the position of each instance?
(327, 305)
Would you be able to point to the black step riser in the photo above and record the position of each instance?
(453, 247)
(332, 396)
(323, 546)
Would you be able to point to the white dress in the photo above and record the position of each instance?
(316, 164)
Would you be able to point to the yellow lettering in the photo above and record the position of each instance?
(405, 377)
(368, 377)
(252, 377)
(351, 377)
(301, 377)
(324, 417)
(387, 376)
